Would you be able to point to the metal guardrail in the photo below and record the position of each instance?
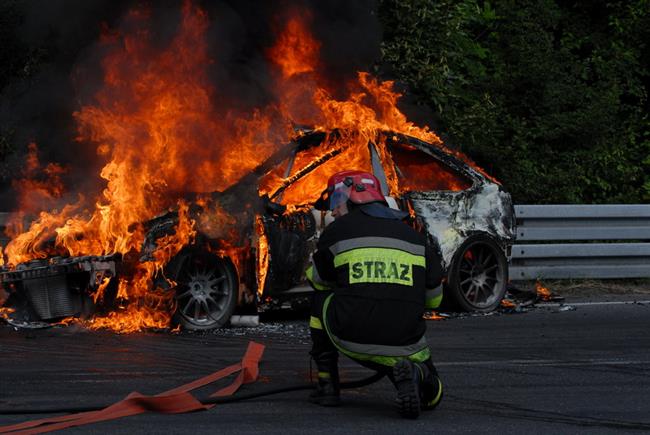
(548, 241)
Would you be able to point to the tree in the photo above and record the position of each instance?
(551, 98)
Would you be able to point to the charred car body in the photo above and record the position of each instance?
(250, 253)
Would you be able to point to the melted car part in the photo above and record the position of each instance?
(289, 238)
(55, 266)
(452, 217)
(51, 297)
(56, 287)
(290, 242)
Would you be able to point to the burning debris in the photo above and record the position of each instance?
(517, 300)
(5, 312)
(544, 294)
(204, 209)
(432, 315)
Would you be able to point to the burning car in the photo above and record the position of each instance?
(198, 209)
(247, 253)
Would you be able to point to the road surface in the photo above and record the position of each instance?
(584, 368)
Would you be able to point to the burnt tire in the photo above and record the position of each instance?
(206, 289)
(478, 275)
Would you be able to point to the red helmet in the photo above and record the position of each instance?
(357, 186)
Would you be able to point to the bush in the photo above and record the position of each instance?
(550, 98)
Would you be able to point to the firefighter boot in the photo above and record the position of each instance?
(430, 387)
(327, 391)
(407, 378)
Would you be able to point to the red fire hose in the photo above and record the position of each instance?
(175, 401)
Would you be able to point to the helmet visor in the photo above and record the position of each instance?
(332, 197)
(338, 197)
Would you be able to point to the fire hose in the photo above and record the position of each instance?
(209, 401)
(174, 401)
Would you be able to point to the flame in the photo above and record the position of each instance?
(66, 321)
(506, 303)
(152, 308)
(334, 153)
(411, 210)
(542, 292)
(161, 129)
(215, 222)
(99, 293)
(296, 50)
(262, 255)
(151, 313)
(5, 311)
(419, 173)
(432, 315)
(39, 185)
(170, 245)
(33, 243)
(151, 121)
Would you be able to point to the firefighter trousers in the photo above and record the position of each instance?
(325, 352)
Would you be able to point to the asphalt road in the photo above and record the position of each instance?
(545, 371)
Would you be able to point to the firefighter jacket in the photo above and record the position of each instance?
(381, 275)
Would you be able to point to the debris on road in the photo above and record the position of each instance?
(567, 308)
(433, 315)
(249, 321)
(545, 294)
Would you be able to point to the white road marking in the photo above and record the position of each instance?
(544, 362)
(581, 304)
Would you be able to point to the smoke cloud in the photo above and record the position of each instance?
(63, 42)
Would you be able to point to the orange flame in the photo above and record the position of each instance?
(262, 255)
(66, 322)
(151, 122)
(296, 50)
(542, 292)
(5, 311)
(99, 293)
(39, 185)
(161, 130)
(152, 308)
(432, 315)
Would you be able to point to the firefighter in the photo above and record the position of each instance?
(373, 276)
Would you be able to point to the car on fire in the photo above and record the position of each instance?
(253, 254)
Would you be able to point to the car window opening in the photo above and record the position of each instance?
(419, 171)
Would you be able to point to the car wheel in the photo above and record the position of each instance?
(206, 290)
(478, 274)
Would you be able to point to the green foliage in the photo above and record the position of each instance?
(548, 96)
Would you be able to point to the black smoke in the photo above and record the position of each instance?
(57, 66)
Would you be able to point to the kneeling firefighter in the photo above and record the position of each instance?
(373, 277)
